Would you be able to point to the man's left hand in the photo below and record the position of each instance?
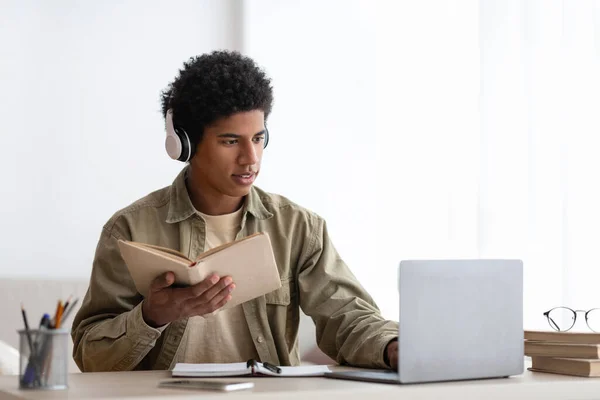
(392, 354)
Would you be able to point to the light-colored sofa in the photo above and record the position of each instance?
(40, 296)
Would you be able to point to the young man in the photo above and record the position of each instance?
(215, 112)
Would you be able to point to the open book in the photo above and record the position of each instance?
(249, 261)
(249, 368)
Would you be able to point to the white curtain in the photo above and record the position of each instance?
(426, 177)
(487, 131)
(540, 107)
(441, 129)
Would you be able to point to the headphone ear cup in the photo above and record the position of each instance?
(186, 146)
(177, 142)
(266, 137)
(172, 141)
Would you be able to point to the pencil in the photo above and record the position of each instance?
(59, 313)
(68, 311)
(29, 341)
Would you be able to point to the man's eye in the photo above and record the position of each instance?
(258, 139)
(230, 142)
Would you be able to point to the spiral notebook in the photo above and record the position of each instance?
(249, 368)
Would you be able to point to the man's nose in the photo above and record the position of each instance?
(249, 154)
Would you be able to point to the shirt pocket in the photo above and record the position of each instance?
(280, 296)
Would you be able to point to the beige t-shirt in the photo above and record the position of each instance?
(223, 337)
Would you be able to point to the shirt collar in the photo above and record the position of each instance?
(181, 207)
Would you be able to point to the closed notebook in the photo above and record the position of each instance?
(563, 337)
(566, 366)
(249, 368)
(557, 349)
(249, 261)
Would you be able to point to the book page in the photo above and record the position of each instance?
(250, 263)
(146, 263)
(173, 254)
(225, 245)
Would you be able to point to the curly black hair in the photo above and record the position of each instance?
(216, 85)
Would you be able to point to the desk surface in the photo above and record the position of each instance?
(143, 385)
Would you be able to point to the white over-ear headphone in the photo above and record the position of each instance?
(177, 142)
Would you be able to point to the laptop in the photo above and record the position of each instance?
(459, 319)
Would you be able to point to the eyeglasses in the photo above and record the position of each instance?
(563, 319)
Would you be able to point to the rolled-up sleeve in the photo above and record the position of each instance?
(109, 332)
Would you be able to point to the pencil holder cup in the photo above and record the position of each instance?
(43, 361)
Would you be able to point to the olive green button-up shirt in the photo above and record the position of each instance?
(109, 332)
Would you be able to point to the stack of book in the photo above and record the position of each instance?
(568, 353)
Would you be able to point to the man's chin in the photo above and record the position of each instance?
(238, 191)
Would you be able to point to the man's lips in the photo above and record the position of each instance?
(244, 179)
(245, 174)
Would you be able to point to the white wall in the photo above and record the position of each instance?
(82, 130)
(370, 101)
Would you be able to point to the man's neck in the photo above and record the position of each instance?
(209, 202)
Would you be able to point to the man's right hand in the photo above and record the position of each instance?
(165, 304)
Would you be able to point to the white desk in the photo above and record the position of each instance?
(143, 385)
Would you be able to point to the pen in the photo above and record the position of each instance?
(27, 328)
(45, 322)
(272, 368)
(29, 374)
(46, 346)
(41, 348)
(67, 303)
(33, 369)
